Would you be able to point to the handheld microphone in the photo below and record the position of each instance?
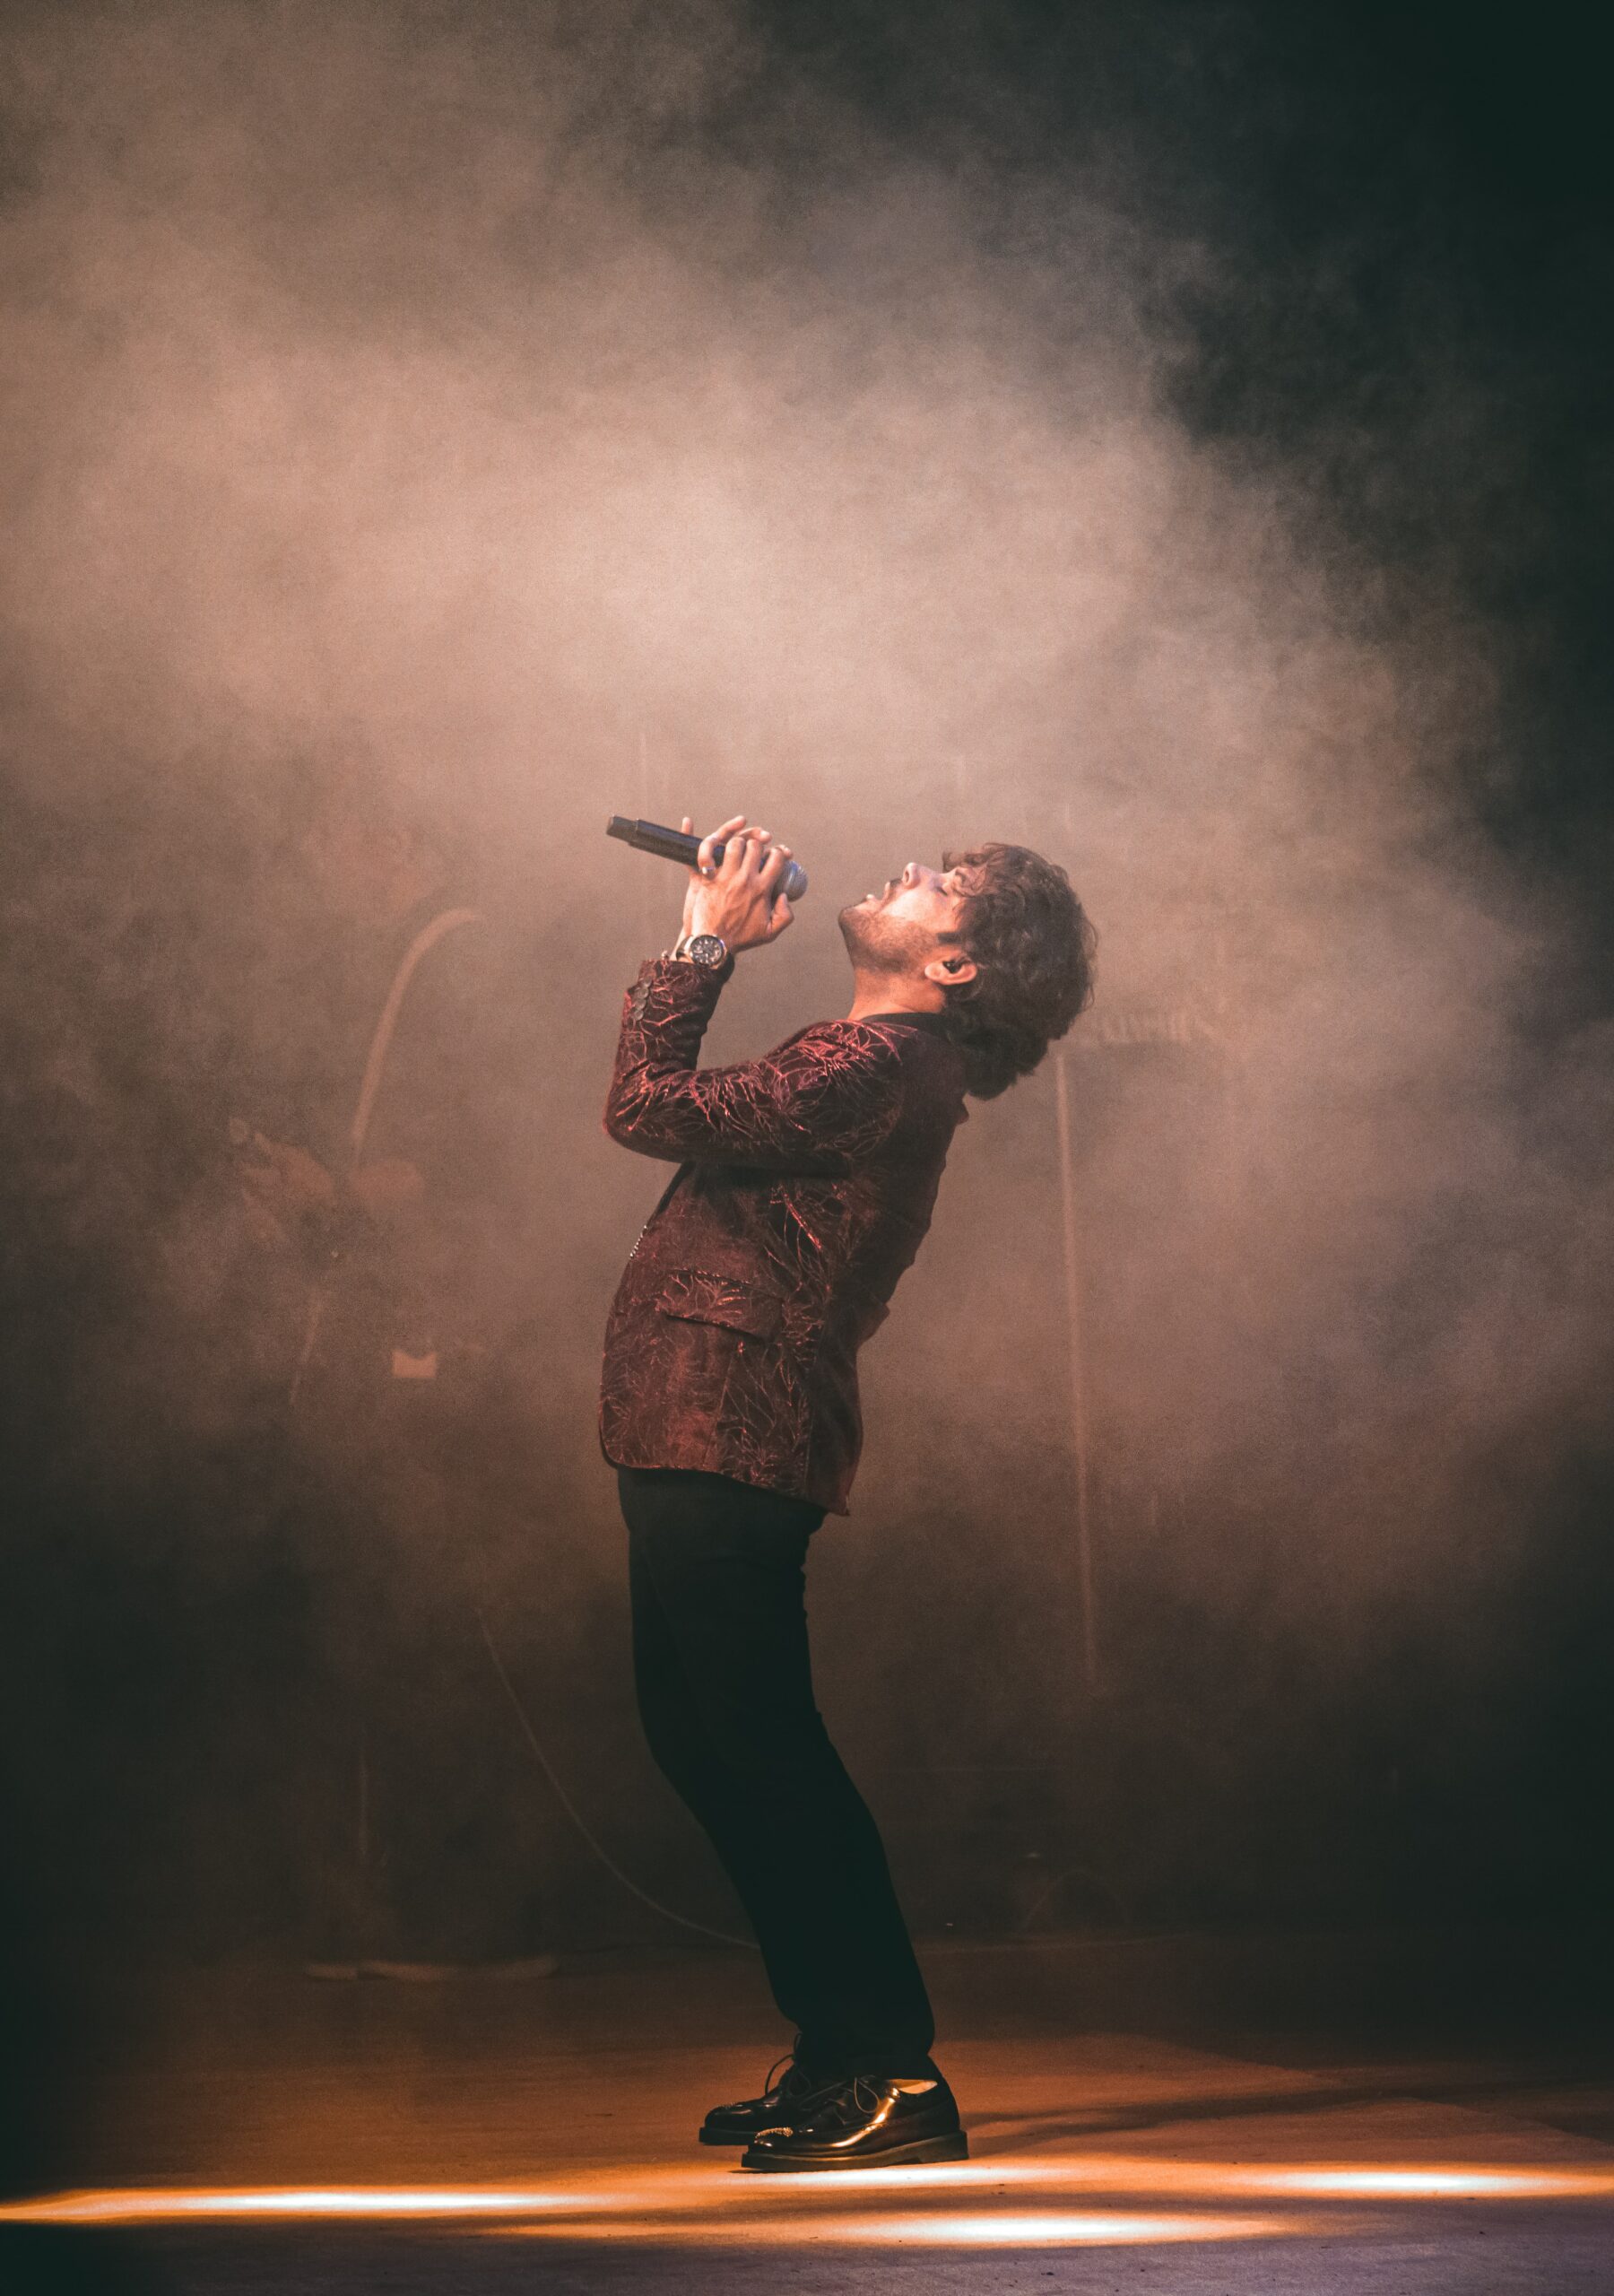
(677, 845)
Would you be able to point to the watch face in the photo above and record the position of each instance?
(705, 949)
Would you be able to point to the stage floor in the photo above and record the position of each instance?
(490, 2134)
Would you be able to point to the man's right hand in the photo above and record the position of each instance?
(737, 898)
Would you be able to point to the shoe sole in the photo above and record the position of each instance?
(954, 2146)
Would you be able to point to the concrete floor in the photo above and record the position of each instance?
(538, 2133)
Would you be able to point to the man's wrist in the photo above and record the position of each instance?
(708, 951)
(679, 951)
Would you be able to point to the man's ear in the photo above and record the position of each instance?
(950, 972)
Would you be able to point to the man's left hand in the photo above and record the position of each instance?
(737, 898)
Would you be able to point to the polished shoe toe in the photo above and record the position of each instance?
(780, 2099)
(864, 2123)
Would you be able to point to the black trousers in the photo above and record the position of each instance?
(725, 1692)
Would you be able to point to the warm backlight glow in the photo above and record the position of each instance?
(159, 2205)
(1095, 2228)
(947, 2203)
(1322, 2179)
(939, 2228)
(1443, 2183)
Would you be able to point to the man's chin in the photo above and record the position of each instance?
(880, 944)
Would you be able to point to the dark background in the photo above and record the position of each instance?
(1404, 309)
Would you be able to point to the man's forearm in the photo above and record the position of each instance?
(822, 1102)
(664, 1019)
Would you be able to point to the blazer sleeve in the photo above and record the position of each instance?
(822, 1103)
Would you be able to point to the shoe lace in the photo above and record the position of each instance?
(848, 2101)
(796, 2076)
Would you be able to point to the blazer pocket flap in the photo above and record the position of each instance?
(696, 1296)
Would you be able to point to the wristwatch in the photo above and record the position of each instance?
(706, 949)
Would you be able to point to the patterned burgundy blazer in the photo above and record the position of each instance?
(804, 1187)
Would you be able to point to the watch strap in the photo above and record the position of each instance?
(680, 951)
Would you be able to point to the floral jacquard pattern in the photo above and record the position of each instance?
(805, 1183)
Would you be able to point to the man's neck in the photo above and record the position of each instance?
(885, 992)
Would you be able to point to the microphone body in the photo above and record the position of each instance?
(677, 845)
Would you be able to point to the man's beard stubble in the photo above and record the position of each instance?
(885, 944)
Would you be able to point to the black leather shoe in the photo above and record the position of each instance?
(865, 2124)
(738, 2124)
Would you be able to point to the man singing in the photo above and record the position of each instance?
(729, 1407)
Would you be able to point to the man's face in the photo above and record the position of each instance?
(915, 919)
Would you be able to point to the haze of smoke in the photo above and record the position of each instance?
(517, 405)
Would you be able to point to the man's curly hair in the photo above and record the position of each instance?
(1033, 947)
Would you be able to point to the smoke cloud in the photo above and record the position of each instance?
(546, 413)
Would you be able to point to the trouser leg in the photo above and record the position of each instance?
(725, 1690)
(678, 1740)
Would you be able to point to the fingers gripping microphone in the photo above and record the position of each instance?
(676, 845)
